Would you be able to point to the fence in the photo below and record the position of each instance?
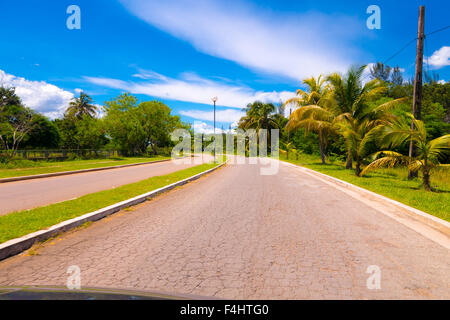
(61, 154)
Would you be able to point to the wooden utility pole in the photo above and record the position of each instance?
(417, 93)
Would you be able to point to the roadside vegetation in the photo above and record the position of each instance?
(124, 124)
(389, 182)
(17, 224)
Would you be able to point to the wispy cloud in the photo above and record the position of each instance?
(227, 115)
(296, 46)
(440, 58)
(191, 88)
(38, 95)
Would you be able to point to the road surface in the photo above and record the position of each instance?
(28, 194)
(238, 234)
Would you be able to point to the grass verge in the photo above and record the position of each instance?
(28, 168)
(391, 183)
(17, 224)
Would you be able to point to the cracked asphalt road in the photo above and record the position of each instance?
(240, 235)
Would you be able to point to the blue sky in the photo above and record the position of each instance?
(185, 52)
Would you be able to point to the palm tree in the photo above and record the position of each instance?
(81, 106)
(361, 128)
(314, 112)
(351, 101)
(258, 116)
(288, 146)
(428, 152)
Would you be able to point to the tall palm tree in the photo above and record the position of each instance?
(428, 152)
(81, 106)
(351, 100)
(314, 112)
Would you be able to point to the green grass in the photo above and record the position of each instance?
(19, 168)
(20, 223)
(391, 183)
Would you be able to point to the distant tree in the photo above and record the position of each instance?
(396, 77)
(134, 128)
(44, 134)
(81, 106)
(90, 133)
(16, 121)
(380, 71)
(431, 77)
(259, 115)
(8, 97)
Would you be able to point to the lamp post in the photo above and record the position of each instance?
(214, 145)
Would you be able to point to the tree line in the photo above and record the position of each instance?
(129, 126)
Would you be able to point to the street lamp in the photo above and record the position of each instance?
(214, 145)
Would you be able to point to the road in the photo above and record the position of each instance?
(28, 194)
(240, 235)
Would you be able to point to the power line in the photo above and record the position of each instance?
(399, 51)
(438, 30)
(408, 44)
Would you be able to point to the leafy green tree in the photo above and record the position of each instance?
(134, 128)
(16, 121)
(67, 127)
(90, 133)
(44, 134)
(8, 97)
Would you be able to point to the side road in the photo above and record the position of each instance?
(64, 173)
(28, 194)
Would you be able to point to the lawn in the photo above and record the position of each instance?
(391, 183)
(19, 168)
(17, 224)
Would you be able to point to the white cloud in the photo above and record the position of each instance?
(227, 115)
(38, 95)
(192, 88)
(296, 46)
(440, 58)
(202, 127)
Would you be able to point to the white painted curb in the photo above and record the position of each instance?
(15, 246)
(428, 219)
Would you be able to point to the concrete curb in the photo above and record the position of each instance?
(428, 219)
(64, 173)
(15, 246)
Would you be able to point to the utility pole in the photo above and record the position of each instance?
(417, 93)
